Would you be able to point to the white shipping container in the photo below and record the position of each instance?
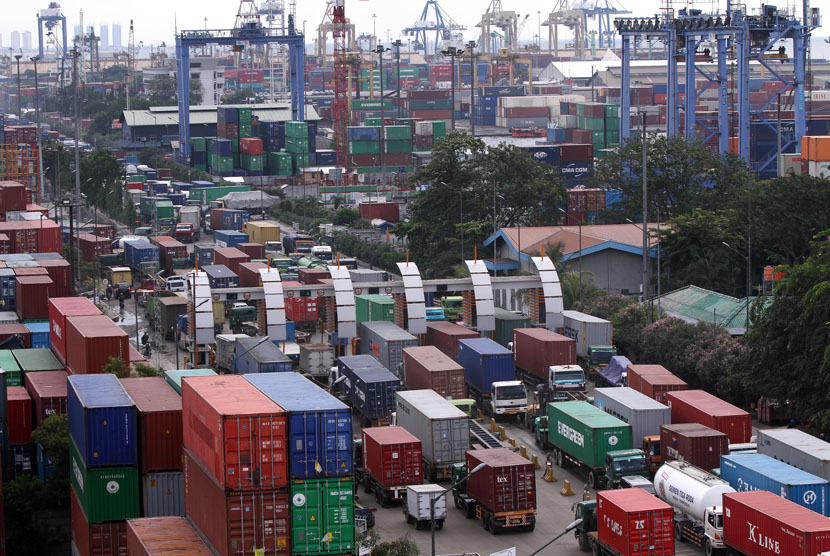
(819, 169)
(789, 163)
(523, 102)
(442, 428)
(316, 359)
(8, 317)
(796, 448)
(225, 347)
(418, 499)
(644, 414)
(587, 331)
(568, 121)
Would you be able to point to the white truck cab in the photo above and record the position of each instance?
(566, 378)
(322, 252)
(508, 397)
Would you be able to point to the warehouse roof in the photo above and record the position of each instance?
(201, 115)
(694, 304)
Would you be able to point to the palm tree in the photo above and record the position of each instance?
(556, 253)
(571, 288)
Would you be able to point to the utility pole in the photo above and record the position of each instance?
(452, 52)
(471, 46)
(645, 218)
(19, 109)
(380, 50)
(39, 145)
(76, 103)
(397, 44)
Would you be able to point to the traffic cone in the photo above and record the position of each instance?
(566, 490)
(523, 452)
(502, 434)
(493, 426)
(549, 476)
(586, 493)
(512, 442)
(536, 462)
(480, 414)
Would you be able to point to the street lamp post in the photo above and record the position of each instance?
(645, 214)
(471, 47)
(39, 145)
(452, 52)
(19, 108)
(397, 44)
(748, 285)
(579, 277)
(570, 527)
(434, 499)
(380, 51)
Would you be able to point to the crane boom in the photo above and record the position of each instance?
(340, 103)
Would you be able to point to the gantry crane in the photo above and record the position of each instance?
(327, 26)
(496, 17)
(340, 104)
(442, 25)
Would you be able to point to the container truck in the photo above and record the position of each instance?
(655, 381)
(587, 331)
(538, 350)
(502, 493)
(140, 255)
(298, 243)
(252, 355)
(693, 443)
(391, 458)
(443, 429)
(598, 358)
(385, 341)
(699, 406)
(615, 373)
(745, 472)
(645, 416)
(417, 508)
(353, 362)
(163, 313)
(796, 448)
(428, 367)
(445, 336)
(322, 252)
(225, 348)
(316, 360)
(593, 441)
(761, 523)
(625, 523)
(372, 392)
(491, 377)
(697, 498)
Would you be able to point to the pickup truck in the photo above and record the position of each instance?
(186, 233)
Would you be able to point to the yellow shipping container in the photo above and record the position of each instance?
(261, 232)
(218, 312)
(121, 275)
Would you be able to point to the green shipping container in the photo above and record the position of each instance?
(105, 493)
(364, 147)
(279, 163)
(246, 114)
(235, 144)
(145, 205)
(439, 129)
(506, 322)
(399, 146)
(612, 111)
(174, 377)
(296, 130)
(322, 516)
(164, 209)
(138, 177)
(14, 376)
(372, 307)
(433, 104)
(39, 359)
(370, 104)
(299, 146)
(202, 167)
(299, 161)
(586, 432)
(251, 161)
(373, 122)
(245, 130)
(198, 144)
(398, 133)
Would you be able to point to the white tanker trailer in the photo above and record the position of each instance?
(697, 498)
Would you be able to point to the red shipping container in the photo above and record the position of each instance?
(300, 308)
(236, 523)
(311, 276)
(760, 523)
(104, 230)
(250, 145)
(428, 368)
(249, 274)
(655, 381)
(48, 392)
(93, 246)
(445, 335)
(33, 293)
(161, 536)
(392, 456)
(237, 432)
(9, 330)
(171, 249)
(96, 539)
(364, 159)
(94, 339)
(635, 523)
(164, 173)
(159, 423)
(12, 196)
(537, 349)
(398, 159)
(571, 152)
(231, 257)
(59, 309)
(527, 112)
(431, 114)
(699, 406)
(19, 420)
(253, 250)
(507, 483)
(30, 271)
(436, 94)
(693, 443)
(60, 271)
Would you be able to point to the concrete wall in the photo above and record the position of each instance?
(614, 271)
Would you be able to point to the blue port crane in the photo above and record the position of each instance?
(602, 10)
(441, 24)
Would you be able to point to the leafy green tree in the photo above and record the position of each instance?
(161, 90)
(53, 435)
(118, 367)
(241, 96)
(21, 497)
(790, 339)
(197, 92)
(682, 176)
(129, 216)
(345, 217)
(101, 181)
(117, 72)
(397, 547)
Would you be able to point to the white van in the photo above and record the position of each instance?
(177, 284)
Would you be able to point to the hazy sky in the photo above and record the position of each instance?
(154, 19)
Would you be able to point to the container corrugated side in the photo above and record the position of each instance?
(442, 428)
(236, 523)
(372, 391)
(159, 423)
(95, 539)
(105, 493)
(445, 336)
(586, 432)
(633, 522)
(693, 443)
(160, 536)
(385, 341)
(319, 425)
(102, 420)
(644, 414)
(747, 472)
(392, 456)
(48, 391)
(485, 362)
(429, 367)
(322, 516)
(59, 309)
(796, 448)
(507, 483)
(699, 406)
(163, 494)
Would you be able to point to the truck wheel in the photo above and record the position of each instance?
(560, 458)
(593, 480)
(708, 548)
(367, 484)
(584, 545)
(678, 532)
(595, 549)
(439, 524)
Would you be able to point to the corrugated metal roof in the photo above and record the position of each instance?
(695, 304)
(169, 115)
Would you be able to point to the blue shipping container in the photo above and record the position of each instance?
(257, 356)
(229, 238)
(204, 255)
(45, 465)
(8, 288)
(234, 219)
(371, 391)
(746, 472)
(102, 420)
(505, 91)
(176, 198)
(3, 411)
(485, 362)
(548, 155)
(363, 133)
(40, 334)
(202, 183)
(319, 425)
(139, 251)
(220, 276)
(351, 363)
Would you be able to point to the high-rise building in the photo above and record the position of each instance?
(105, 36)
(77, 32)
(15, 40)
(27, 40)
(116, 35)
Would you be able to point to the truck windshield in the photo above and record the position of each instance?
(515, 392)
(626, 465)
(568, 376)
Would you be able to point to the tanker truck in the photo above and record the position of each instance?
(697, 499)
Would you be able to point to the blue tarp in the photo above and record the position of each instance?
(612, 373)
